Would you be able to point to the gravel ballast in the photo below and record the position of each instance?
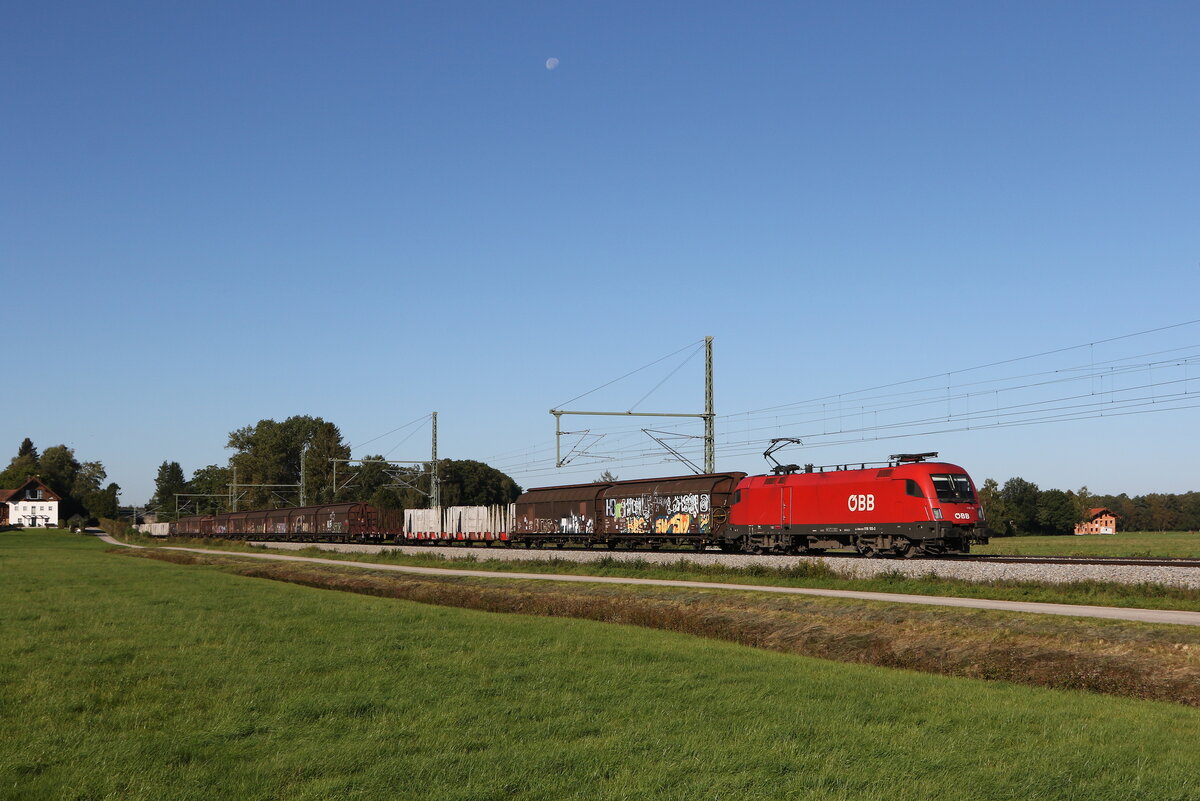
(846, 566)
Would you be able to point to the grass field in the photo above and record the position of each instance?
(1156, 662)
(1125, 543)
(137, 679)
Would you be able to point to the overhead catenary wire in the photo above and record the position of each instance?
(411, 434)
(667, 377)
(550, 471)
(393, 431)
(1104, 377)
(985, 366)
(531, 456)
(872, 413)
(627, 375)
(913, 398)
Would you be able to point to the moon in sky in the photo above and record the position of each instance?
(551, 63)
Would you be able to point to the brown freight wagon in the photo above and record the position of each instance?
(678, 510)
(193, 526)
(346, 522)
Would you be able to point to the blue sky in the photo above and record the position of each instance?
(369, 211)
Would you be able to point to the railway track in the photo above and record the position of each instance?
(1112, 561)
(1101, 561)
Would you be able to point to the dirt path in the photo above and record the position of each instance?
(1069, 610)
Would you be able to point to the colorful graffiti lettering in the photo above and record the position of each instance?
(678, 523)
(671, 514)
(633, 525)
(625, 507)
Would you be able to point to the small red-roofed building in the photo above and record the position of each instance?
(32, 504)
(1100, 521)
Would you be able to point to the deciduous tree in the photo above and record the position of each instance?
(1056, 512)
(212, 480)
(167, 483)
(270, 453)
(1020, 501)
(21, 467)
(994, 509)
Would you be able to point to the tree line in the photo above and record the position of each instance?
(271, 461)
(85, 497)
(1020, 507)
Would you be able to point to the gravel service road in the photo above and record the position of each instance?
(848, 566)
(1069, 610)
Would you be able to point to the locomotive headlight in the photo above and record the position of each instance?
(980, 510)
(937, 513)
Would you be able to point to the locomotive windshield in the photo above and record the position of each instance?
(953, 488)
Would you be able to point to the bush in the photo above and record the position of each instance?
(117, 528)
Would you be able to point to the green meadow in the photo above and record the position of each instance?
(140, 679)
(1124, 543)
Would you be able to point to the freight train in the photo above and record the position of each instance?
(904, 507)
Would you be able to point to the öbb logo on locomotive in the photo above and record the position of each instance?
(906, 506)
(863, 503)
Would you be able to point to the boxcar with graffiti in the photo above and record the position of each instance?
(679, 510)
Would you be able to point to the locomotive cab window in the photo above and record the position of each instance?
(913, 488)
(953, 488)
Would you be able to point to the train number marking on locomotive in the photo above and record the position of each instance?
(861, 503)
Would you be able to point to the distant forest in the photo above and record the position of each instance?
(270, 457)
(1021, 508)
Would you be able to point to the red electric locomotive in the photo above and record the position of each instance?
(905, 507)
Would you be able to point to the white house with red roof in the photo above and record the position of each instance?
(32, 504)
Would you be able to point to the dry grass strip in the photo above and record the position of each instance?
(1112, 657)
